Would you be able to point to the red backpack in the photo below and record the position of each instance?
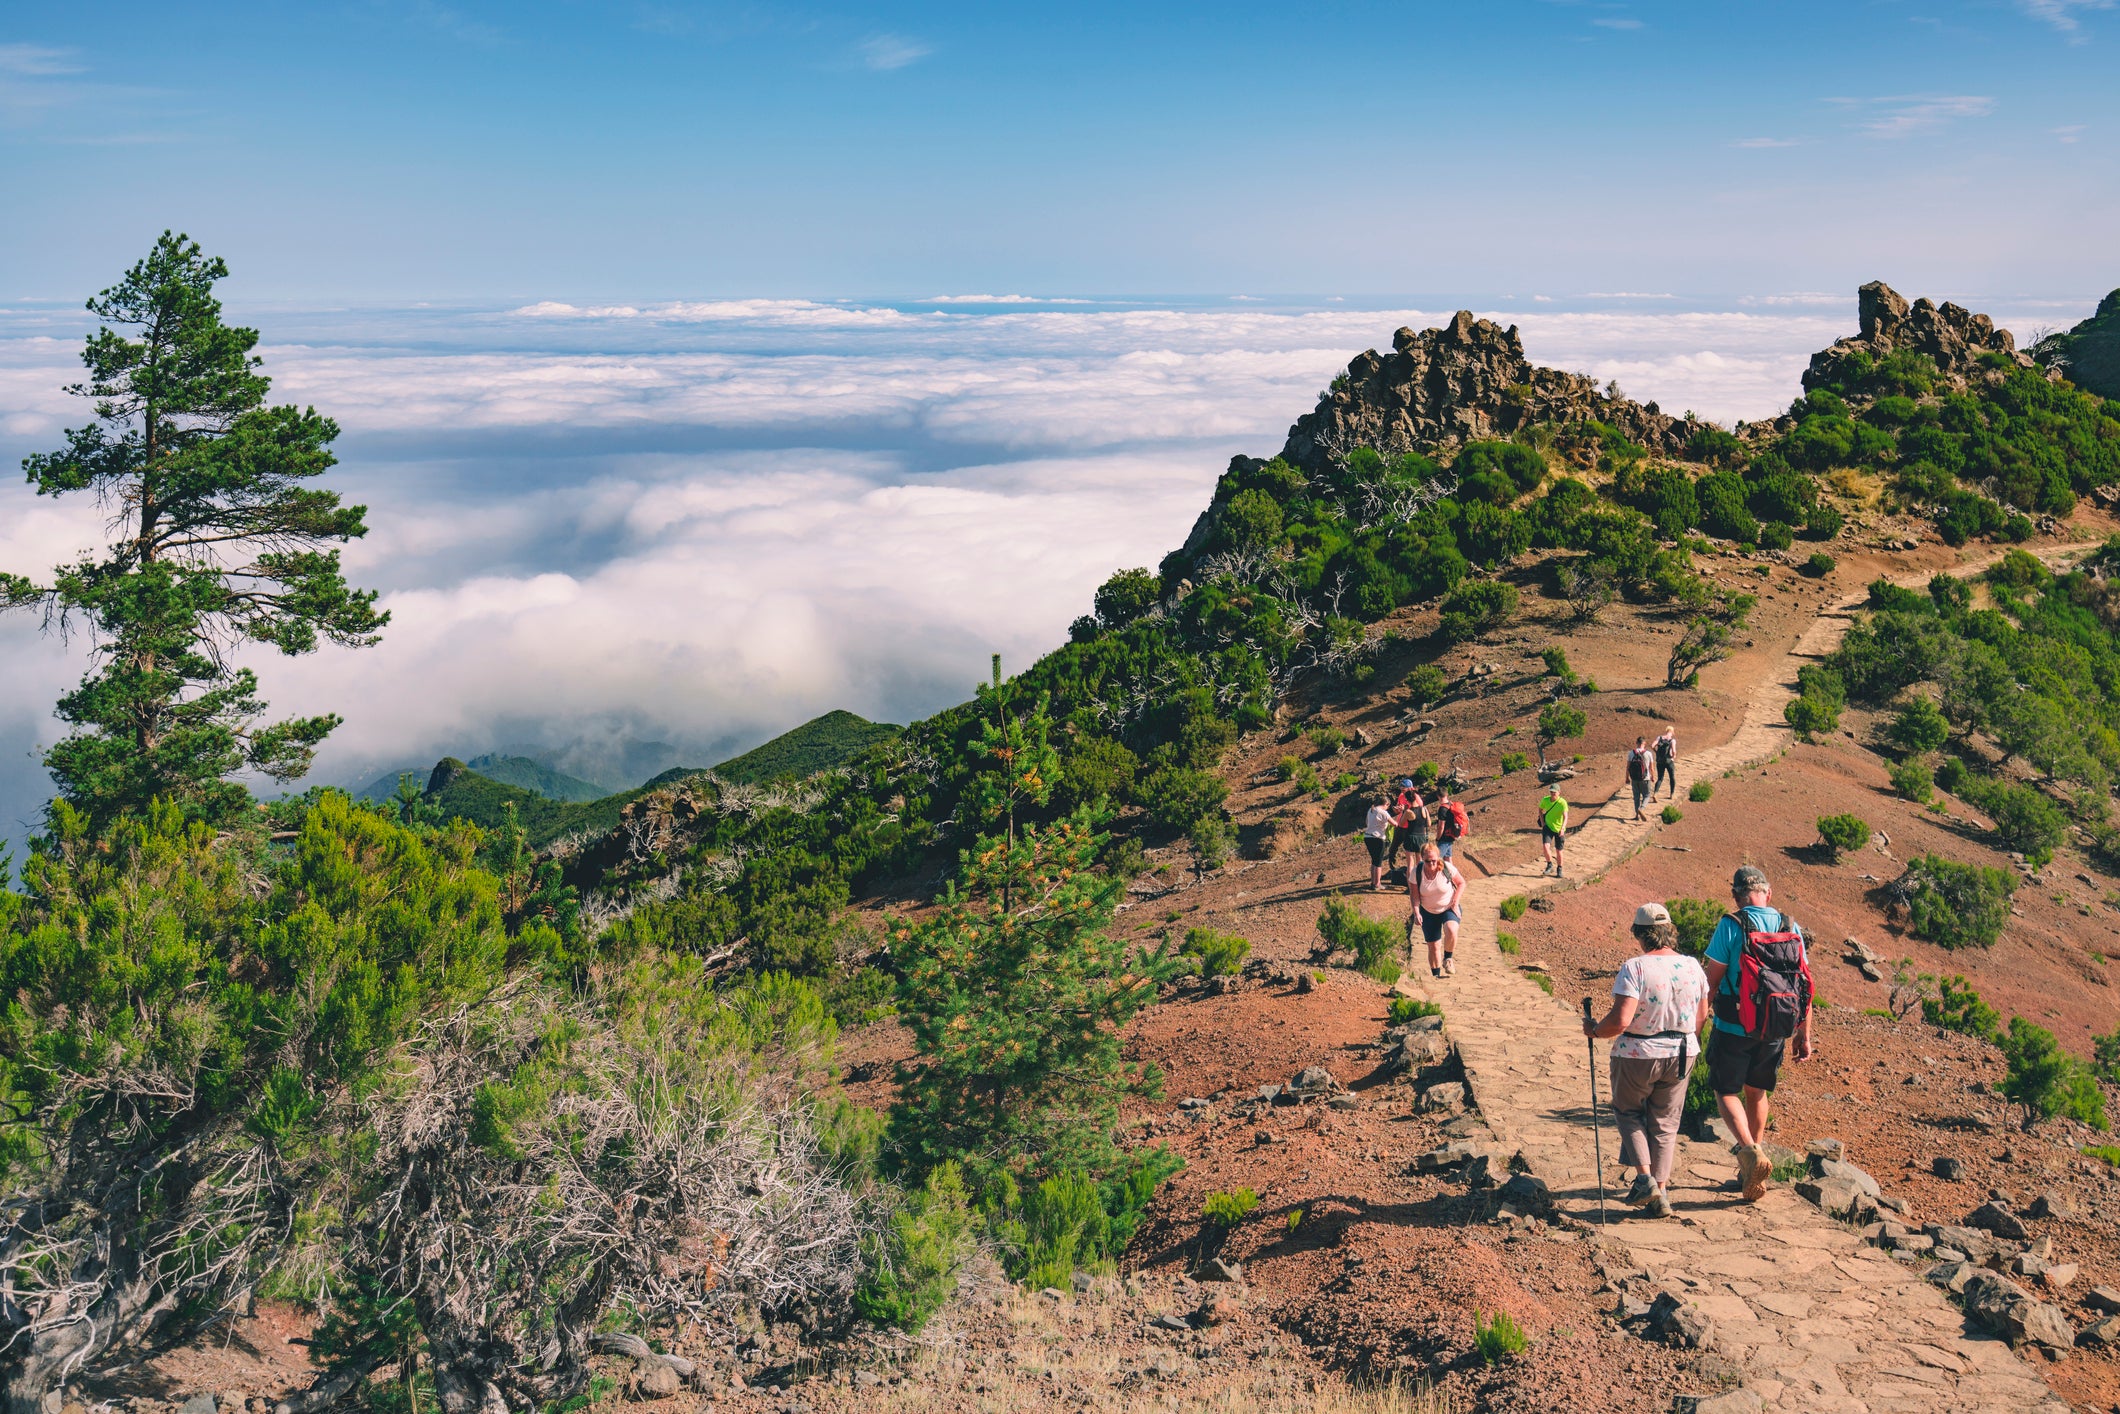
(1453, 821)
(1773, 983)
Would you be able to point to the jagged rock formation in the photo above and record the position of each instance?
(1465, 381)
(2089, 354)
(1952, 336)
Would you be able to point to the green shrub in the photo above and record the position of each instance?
(1508, 943)
(1514, 761)
(1499, 1338)
(1843, 834)
(2047, 1080)
(2108, 1153)
(1919, 726)
(1326, 740)
(1424, 777)
(1811, 716)
(1226, 1210)
(1951, 774)
(1177, 796)
(1373, 942)
(1958, 905)
(1405, 1009)
(1427, 684)
(1475, 607)
(1911, 779)
(1823, 522)
(1220, 954)
(1214, 838)
(1557, 666)
(1289, 767)
(2105, 1054)
(1513, 906)
(1671, 815)
(1957, 1007)
(1820, 564)
(1064, 1227)
(2026, 820)
(914, 1263)
(1776, 535)
(1700, 792)
(1543, 982)
(1695, 920)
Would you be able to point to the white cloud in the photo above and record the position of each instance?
(700, 535)
(1916, 115)
(2061, 14)
(36, 61)
(2072, 133)
(884, 52)
(1000, 299)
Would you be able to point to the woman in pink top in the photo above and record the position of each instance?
(1435, 886)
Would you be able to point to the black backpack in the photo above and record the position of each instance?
(1773, 993)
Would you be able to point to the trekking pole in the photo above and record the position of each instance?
(1597, 1141)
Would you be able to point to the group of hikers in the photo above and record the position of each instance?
(1747, 999)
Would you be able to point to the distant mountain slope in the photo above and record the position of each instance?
(535, 775)
(817, 745)
(2089, 354)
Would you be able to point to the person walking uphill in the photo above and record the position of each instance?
(1376, 833)
(1553, 828)
(1666, 762)
(1449, 823)
(1436, 887)
(1761, 972)
(1638, 763)
(1659, 1003)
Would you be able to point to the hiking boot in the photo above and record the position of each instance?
(1435, 972)
(1753, 1172)
(1658, 1206)
(1449, 965)
(1643, 1190)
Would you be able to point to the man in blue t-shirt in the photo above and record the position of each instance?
(1743, 1069)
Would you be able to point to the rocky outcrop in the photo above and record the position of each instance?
(2089, 354)
(1952, 336)
(1468, 380)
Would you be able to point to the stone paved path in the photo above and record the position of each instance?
(1816, 1319)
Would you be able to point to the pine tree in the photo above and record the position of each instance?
(1015, 740)
(217, 544)
(1016, 1012)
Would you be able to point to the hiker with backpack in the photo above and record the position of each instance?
(1659, 1002)
(1638, 763)
(1376, 833)
(1761, 972)
(1450, 821)
(1436, 887)
(1666, 762)
(1415, 823)
(1552, 828)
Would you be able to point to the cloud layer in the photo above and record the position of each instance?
(704, 522)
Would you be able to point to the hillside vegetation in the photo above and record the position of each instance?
(488, 1078)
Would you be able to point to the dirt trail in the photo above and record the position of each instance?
(1815, 1319)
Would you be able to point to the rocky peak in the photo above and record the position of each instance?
(2089, 354)
(1954, 337)
(1461, 382)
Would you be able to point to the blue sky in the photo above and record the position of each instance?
(413, 149)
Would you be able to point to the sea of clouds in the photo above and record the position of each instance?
(702, 523)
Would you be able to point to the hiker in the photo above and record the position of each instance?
(1659, 1002)
(1450, 821)
(1638, 774)
(1376, 833)
(1399, 804)
(1666, 762)
(1415, 825)
(1758, 966)
(1435, 886)
(1553, 828)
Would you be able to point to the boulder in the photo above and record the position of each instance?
(1447, 1096)
(2103, 1333)
(1995, 1218)
(1836, 1198)
(1685, 1325)
(1168, 1322)
(1820, 1150)
(2052, 1204)
(2011, 1312)
(1216, 1269)
(1216, 1310)
(2103, 1298)
(1847, 1173)
(1977, 1246)
(1478, 1172)
(1447, 1157)
(1948, 1169)
(1314, 1080)
(2060, 1275)
(1528, 1194)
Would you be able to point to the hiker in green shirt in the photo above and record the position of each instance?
(1553, 828)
